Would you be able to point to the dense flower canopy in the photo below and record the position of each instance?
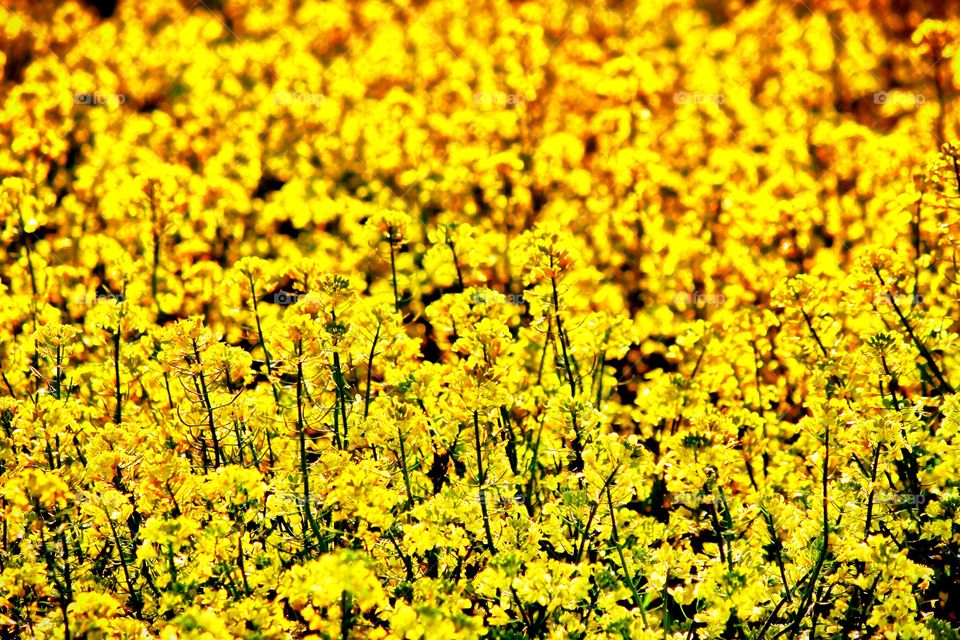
(479, 319)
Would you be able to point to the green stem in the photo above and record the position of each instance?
(346, 619)
(58, 368)
(481, 481)
(136, 599)
(302, 436)
(637, 601)
(373, 352)
(916, 341)
(263, 343)
(456, 263)
(403, 465)
(341, 391)
(393, 269)
(118, 412)
(26, 244)
(217, 453)
(822, 557)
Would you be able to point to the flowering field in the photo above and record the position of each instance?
(503, 319)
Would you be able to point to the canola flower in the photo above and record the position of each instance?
(479, 319)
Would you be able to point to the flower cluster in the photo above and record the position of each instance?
(479, 319)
